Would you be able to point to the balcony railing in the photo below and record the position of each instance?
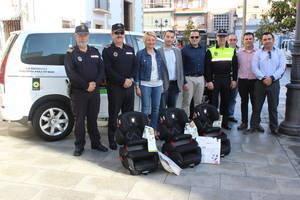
(158, 5)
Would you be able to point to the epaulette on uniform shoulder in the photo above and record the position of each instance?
(70, 50)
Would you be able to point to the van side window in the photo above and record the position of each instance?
(46, 49)
(100, 40)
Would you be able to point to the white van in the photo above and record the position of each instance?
(288, 47)
(33, 79)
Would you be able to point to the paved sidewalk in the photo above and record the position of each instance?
(260, 166)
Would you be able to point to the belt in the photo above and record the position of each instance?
(195, 75)
(222, 75)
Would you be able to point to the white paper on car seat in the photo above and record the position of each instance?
(149, 135)
(210, 149)
(168, 164)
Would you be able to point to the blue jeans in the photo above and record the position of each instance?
(232, 101)
(150, 102)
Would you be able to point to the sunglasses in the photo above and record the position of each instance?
(232, 39)
(119, 33)
(194, 37)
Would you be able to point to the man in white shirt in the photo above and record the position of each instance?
(173, 72)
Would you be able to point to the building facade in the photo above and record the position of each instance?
(57, 14)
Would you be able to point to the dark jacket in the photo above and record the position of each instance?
(119, 63)
(84, 67)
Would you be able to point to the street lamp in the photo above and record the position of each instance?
(291, 123)
(235, 18)
(161, 25)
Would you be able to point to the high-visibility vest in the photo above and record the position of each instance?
(219, 54)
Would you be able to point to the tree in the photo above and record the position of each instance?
(281, 18)
(189, 27)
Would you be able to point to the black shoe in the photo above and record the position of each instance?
(225, 126)
(100, 147)
(275, 133)
(232, 119)
(242, 126)
(78, 151)
(251, 130)
(113, 145)
(259, 128)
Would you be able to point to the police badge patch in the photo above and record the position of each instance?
(79, 59)
(216, 53)
(115, 54)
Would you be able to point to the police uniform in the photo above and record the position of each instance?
(119, 65)
(82, 68)
(221, 68)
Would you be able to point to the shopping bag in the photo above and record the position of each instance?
(210, 149)
(168, 164)
(149, 135)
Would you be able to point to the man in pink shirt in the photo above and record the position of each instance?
(246, 78)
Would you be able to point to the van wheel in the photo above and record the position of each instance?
(53, 121)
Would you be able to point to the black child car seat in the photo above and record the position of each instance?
(134, 153)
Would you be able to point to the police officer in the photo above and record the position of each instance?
(119, 60)
(85, 70)
(221, 73)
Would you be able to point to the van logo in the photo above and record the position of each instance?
(115, 54)
(36, 84)
(79, 59)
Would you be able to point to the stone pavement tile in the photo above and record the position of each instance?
(293, 151)
(289, 187)
(225, 167)
(93, 168)
(236, 147)
(289, 140)
(249, 184)
(262, 196)
(215, 194)
(263, 149)
(16, 173)
(52, 162)
(279, 160)
(107, 186)
(296, 164)
(55, 178)
(16, 191)
(272, 171)
(256, 139)
(148, 190)
(246, 157)
(159, 175)
(192, 179)
(18, 157)
(62, 194)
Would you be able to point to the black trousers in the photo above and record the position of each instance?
(272, 93)
(119, 99)
(85, 105)
(169, 98)
(246, 91)
(222, 88)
